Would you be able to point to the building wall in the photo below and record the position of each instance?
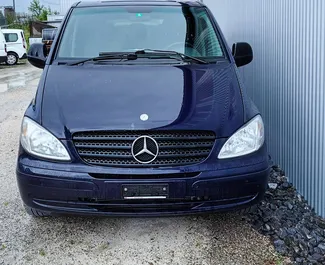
(65, 5)
(286, 80)
(55, 17)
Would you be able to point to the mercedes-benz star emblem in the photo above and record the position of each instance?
(145, 149)
(144, 117)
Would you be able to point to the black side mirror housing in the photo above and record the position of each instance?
(37, 55)
(243, 53)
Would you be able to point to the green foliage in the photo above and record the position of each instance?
(10, 19)
(42, 252)
(39, 11)
(21, 21)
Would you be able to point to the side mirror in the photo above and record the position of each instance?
(37, 55)
(243, 53)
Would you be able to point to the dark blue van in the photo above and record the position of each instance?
(140, 111)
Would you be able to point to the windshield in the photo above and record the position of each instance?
(94, 30)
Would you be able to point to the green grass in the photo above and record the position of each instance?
(42, 252)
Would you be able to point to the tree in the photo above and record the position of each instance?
(40, 12)
(36, 8)
(10, 18)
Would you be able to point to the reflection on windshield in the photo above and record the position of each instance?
(93, 30)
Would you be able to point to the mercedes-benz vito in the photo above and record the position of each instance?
(140, 111)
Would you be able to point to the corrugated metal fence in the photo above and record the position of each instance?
(65, 5)
(286, 81)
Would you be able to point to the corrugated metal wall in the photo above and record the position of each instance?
(286, 81)
(65, 5)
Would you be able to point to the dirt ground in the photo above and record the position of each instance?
(213, 239)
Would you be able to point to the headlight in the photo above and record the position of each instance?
(245, 141)
(38, 141)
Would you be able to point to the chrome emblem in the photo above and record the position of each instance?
(145, 149)
(144, 117)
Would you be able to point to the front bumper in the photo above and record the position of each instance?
(66, 192)
(24, 56)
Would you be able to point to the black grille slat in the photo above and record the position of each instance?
(162, 145)
(131, 162)
(128, 136)
(184, 144)
(113, 148)
(103, 145)
(162, 154)
(107, 138)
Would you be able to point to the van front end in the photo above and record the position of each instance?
(79, 188)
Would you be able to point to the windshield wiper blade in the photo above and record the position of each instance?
(184, 57)
(108, 56)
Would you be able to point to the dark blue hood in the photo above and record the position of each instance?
(113, 97)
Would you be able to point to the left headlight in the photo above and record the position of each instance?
(39, 142)
(246, 140)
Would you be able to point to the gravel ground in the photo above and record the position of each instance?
(292, 224)
(213, 239)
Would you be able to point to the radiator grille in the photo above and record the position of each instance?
(112, 148)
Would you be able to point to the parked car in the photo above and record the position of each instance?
(140, 111)
(3, 48)
(16, 45)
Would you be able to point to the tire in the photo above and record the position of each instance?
(36, 213)
(12, 59)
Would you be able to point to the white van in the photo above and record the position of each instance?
(3, 48)
(16, 45)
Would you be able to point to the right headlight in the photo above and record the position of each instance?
(246, 140)
(37, 141)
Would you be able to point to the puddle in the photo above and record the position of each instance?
(17, 81)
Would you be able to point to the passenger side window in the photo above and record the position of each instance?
(205, 40)
(11, 37)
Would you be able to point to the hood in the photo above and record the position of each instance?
(113, 97)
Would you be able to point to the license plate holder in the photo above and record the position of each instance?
(145, 191)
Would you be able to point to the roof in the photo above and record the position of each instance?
(140, 2)
(11, 30)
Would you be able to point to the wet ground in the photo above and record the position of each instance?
(15, 77)
(214, 239)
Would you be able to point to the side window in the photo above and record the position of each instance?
(206, 38)
(11, 37)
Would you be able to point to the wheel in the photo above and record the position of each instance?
(36, 213)
(12, 59)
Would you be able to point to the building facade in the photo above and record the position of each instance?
(65, 5)
(286, 80)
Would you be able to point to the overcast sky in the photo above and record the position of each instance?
(22, 5)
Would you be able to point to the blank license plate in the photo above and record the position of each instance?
(142, 192)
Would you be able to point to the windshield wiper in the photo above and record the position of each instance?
(155, 54)
(108, 56)
(168, 54)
